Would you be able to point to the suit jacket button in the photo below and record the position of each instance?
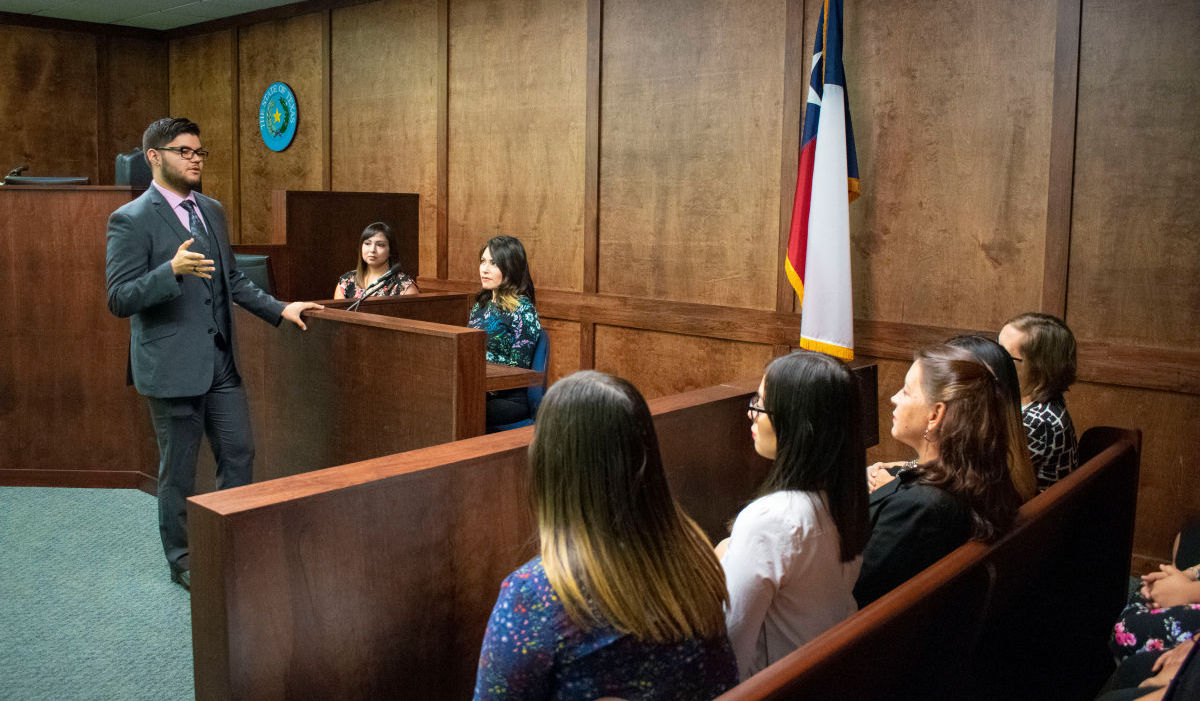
(208, 301)
(212, 330)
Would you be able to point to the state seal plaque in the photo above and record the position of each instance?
(277, 115)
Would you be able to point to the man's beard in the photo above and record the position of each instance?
(179, 181)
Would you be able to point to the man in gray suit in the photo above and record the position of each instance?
(170, 270)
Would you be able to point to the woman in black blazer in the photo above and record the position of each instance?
(952, 412)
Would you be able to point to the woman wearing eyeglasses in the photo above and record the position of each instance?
(953, 412)
(794, 552)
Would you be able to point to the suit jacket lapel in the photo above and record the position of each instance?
(164, 210)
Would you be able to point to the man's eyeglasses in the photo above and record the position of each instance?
(186, 152)
(756, 407)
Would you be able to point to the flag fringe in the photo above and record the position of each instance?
(827, 348)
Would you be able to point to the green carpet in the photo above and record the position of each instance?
(87, 608)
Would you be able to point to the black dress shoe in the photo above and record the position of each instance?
(183, 578)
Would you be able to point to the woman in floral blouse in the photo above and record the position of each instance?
(625, 597)
(504, 311)
(377, 255)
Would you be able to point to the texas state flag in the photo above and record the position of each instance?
(818, 255)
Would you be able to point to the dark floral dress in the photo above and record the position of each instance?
(532, 650)
(396, 286)
(512, 336)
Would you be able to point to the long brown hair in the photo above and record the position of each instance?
(616, 547)
(813, 405)
(972, 438)
(360, 273)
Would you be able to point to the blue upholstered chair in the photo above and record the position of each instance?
(541, 357)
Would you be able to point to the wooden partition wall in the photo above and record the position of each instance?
(355, 386)
(409, 551)
(66, 416)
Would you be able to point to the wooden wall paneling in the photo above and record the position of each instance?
(1135, 233)
(384, 119)
(797, 67)
(203, 88)
(292, 51)
(133, 76)
(517, 131)
(443, 139)
(48, 87)
(952, 125)
(1062, 159)
(659, 363)
(1169, 487)
(564, 347)
(591, 166)
(65, 410)
(690, 127)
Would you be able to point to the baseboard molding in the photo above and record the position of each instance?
(94, 479)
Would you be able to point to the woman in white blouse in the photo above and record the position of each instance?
(795, 551)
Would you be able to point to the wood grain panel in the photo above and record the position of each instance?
(288, 50)
(1169, 489)
(203, 89)
(124, 113)
(1135, 241)
(517, 90)
(64, 405)
(564, 348)
(48, 90)
(952, 123)
(690, 134)
(384, 106)
(665, 363)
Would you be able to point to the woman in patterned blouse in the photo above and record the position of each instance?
(378, 254)
(625, 599)
(504, 310)
(1044, 350)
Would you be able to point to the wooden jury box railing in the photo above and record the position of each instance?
(375, 579)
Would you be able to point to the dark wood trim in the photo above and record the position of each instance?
(327, 99)
(1062, 158)
(235, 126)
(267, 15)
(591, 176)
(91, 479)
(1146, 367)
(54, 24)
(795, 97)
(443, 141)
(103, 109)
(587, 345)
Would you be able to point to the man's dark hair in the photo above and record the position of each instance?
(163, 131)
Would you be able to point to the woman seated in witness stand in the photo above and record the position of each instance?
(1158, 628)
(626, 597)
(952, 411)
(1044, 350)
(794, 554)
(377, 255)
(504, 310)
(1020, 467)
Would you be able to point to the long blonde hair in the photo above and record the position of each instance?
(616, 547)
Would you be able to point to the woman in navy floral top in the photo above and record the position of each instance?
(377, 255)
(504, 311)
(626, 597)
